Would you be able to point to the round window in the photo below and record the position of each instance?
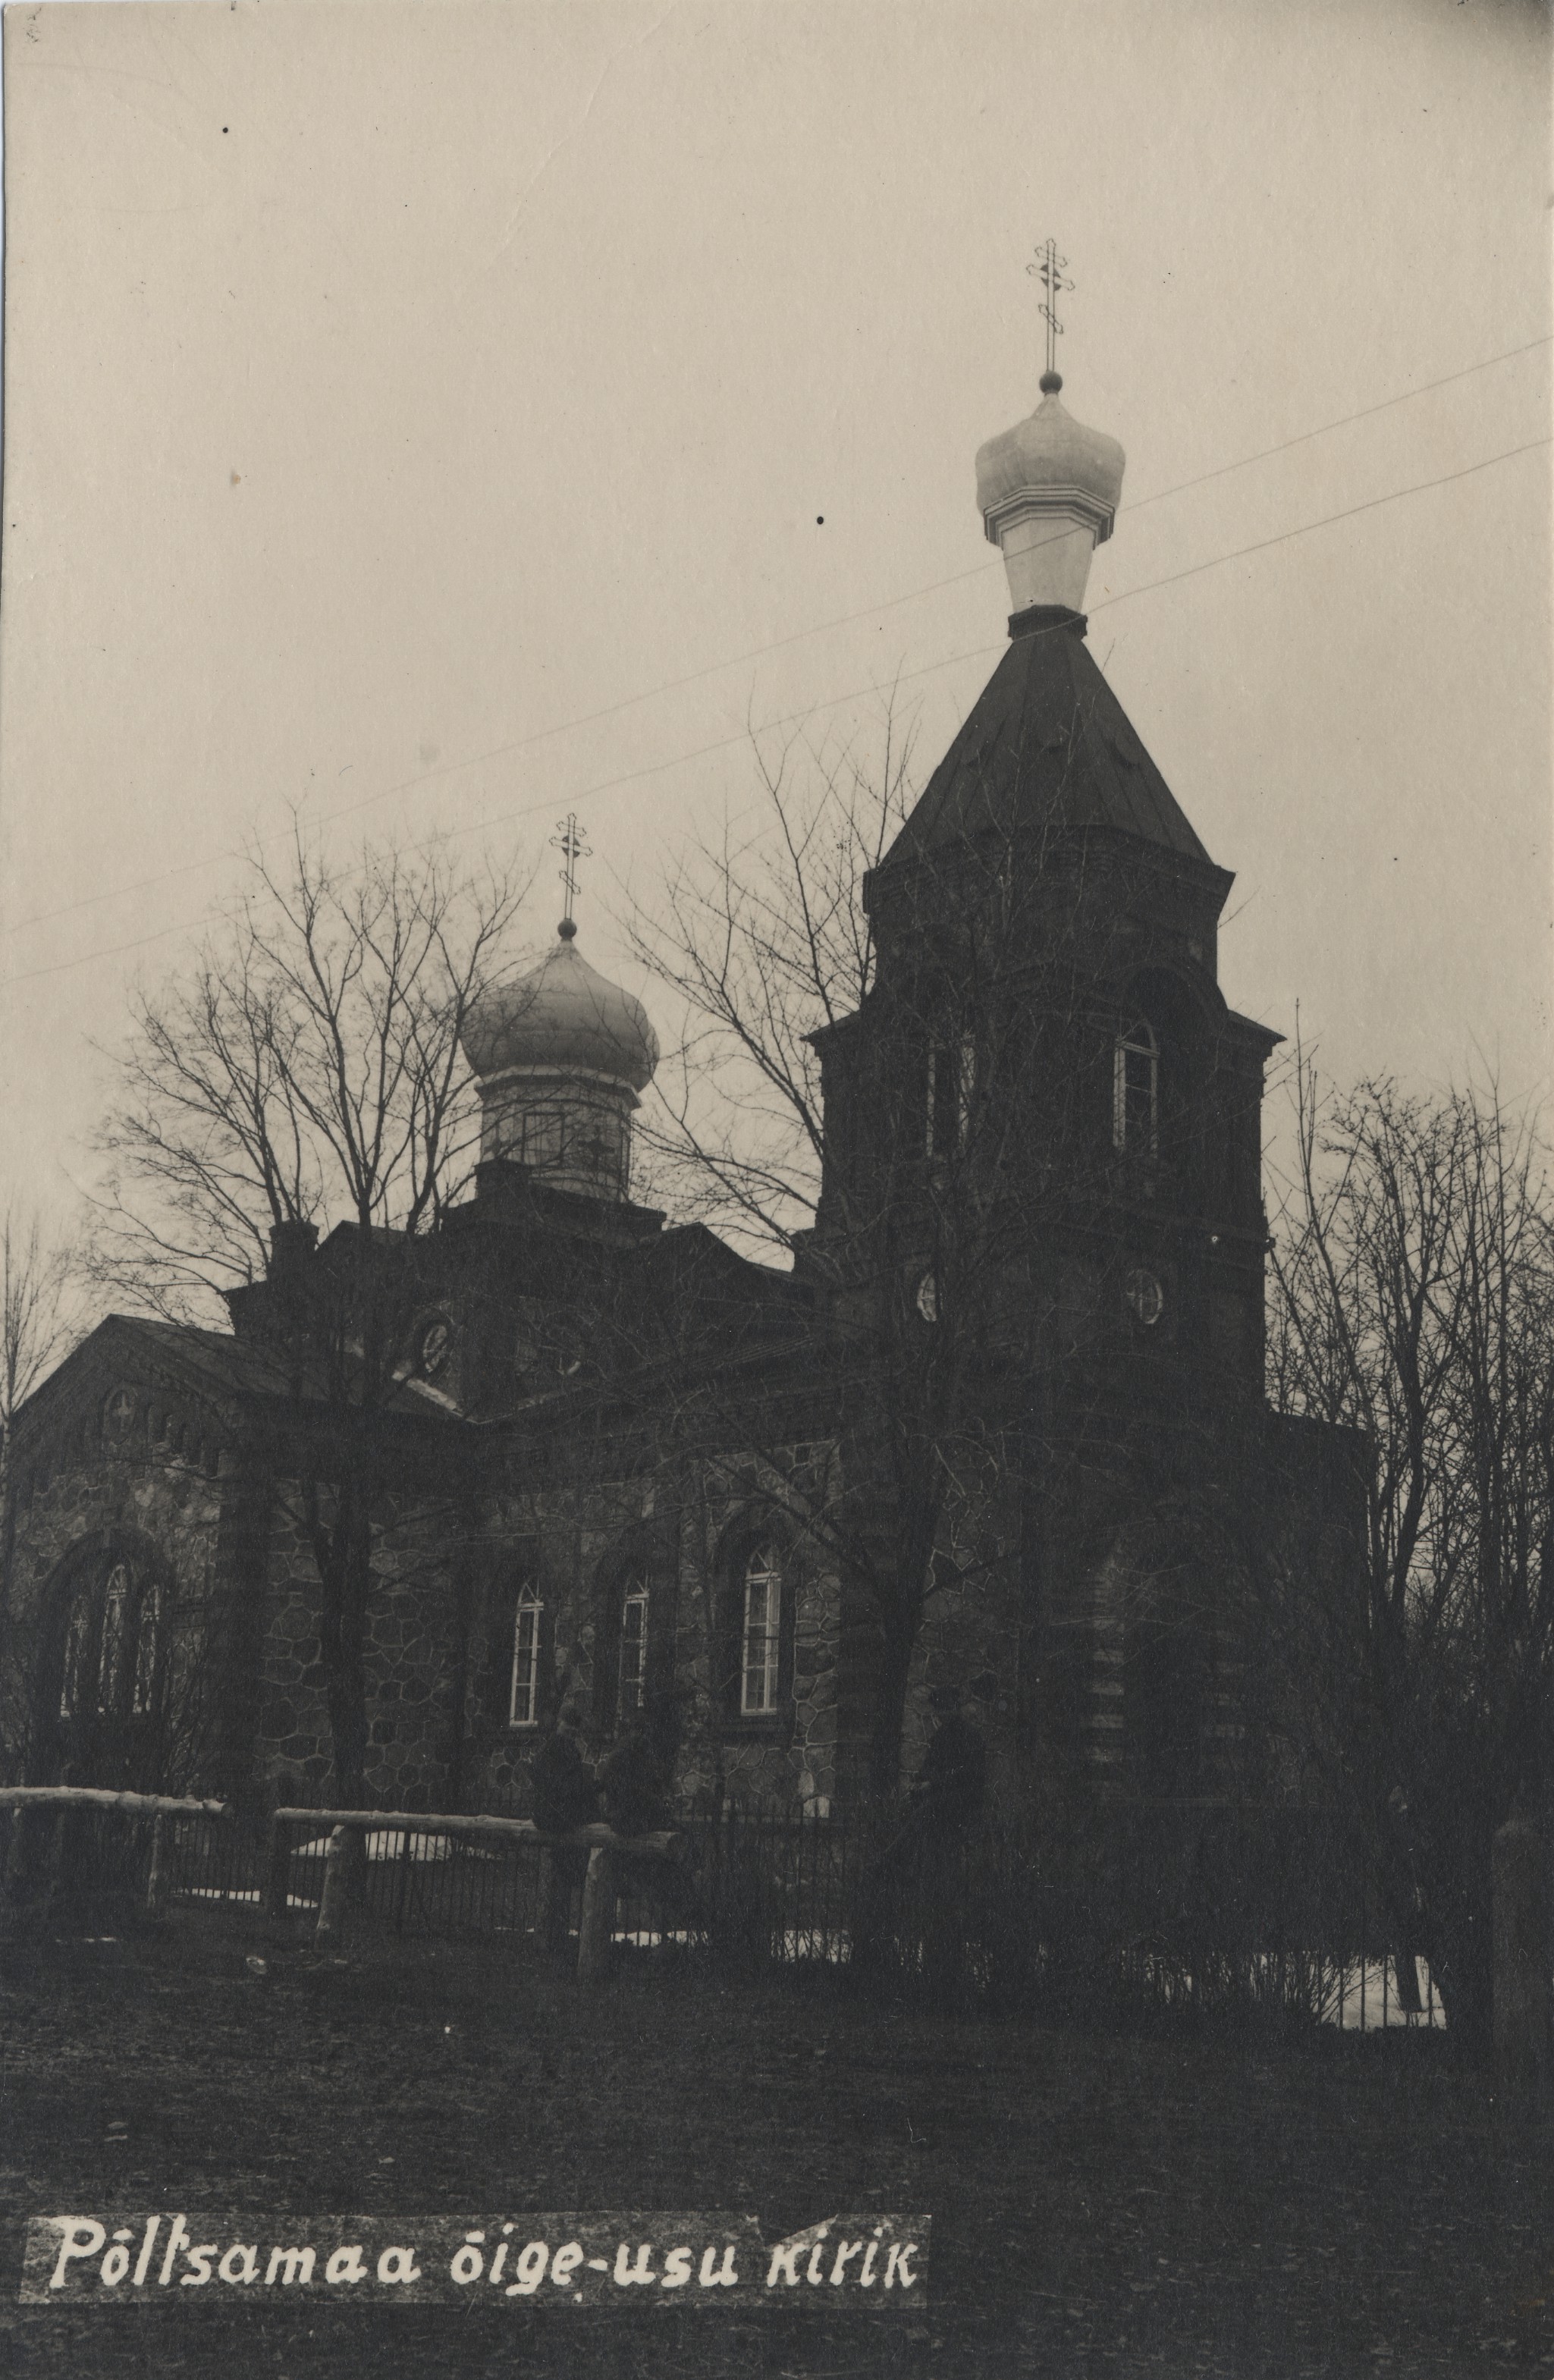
(433, 1347)
(1143, 1297)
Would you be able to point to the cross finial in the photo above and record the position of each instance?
(569, 842)
(1048, 270)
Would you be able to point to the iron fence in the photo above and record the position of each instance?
(1148, 1917)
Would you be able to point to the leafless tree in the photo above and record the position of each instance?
(899, 1174)
(1413, 1304)
(42, 1310)
(302, 1073)
(41, 1313)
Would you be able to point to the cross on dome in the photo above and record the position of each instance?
(1048, 270)
(569, 842)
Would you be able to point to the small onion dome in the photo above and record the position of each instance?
(1054, 459)
(562, 1019)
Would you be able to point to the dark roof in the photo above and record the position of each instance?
(1047, 735)
(219, 1361)
(215, 1363)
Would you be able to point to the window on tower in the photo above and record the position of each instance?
(1135, 1086)
(952, 1087)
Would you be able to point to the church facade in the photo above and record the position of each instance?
(998, 1438)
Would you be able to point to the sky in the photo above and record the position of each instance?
(453, 416)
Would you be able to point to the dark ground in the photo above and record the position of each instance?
(1100, 2206)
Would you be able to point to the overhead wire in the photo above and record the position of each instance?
(756, 652)
(830, 702)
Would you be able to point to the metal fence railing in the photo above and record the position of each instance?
(1144, 1922)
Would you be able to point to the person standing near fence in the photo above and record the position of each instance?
(638, 1785)
(947, 1800)
(566, 1795)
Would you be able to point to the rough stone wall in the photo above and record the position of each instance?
(412, 1660)
(145, 1484)
(565, 1543)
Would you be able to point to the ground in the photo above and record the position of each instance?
(1100, 2206)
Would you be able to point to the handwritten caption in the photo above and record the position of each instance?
(873, 2263)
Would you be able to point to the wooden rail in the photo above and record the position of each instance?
(94, 1797)
(596, 1927)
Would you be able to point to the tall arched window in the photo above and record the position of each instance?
(522, 1701)
(111, 1646)
(1135, 1087)
(631, 1664)
(761, 1634)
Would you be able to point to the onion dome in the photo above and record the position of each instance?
(1049, 490)
(562, 1019)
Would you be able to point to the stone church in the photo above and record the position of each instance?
(998, 1438)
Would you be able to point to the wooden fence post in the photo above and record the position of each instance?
(1519, 1900)
(156, 1878)
(597, 1926)
(332, 1900)
(277, 1867)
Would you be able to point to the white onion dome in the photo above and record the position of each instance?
(1049, 490)
(562, 1019)
(1049, 453)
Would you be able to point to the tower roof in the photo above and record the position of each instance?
(1046, 738)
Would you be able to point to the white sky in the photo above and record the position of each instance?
(387, 389)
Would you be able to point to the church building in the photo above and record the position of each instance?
(998, 1439)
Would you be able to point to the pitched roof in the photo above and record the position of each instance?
(220, 1362)
(215, 1364)
(1047, 735)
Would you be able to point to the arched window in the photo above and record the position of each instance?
(111, 1646)
(74, 1689)
(147, 1649)
(761, 1634)
(631, 1662)
(522, 1701)
(1135, 1089)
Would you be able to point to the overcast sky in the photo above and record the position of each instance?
(389, 389)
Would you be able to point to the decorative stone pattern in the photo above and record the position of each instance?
(411, 1660)
(153, 1478)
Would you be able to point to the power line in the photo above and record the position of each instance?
(679, 759)
(758, 652)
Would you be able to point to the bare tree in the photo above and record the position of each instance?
(305, 1074)
(41, 1312)
(859, 1084)
(40, 1316)
(1414, 1304)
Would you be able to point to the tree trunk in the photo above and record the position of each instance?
(891, 1679)
(344, 1555)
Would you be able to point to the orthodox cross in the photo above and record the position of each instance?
(1048, 270)
(569, 842)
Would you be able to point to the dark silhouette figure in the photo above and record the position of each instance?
(639, 1782)
(951, 1784)
(566, 1789)
(947, 1799)
(638, 1777)
(566, 1795)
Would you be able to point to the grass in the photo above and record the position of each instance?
(1101, 2206)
